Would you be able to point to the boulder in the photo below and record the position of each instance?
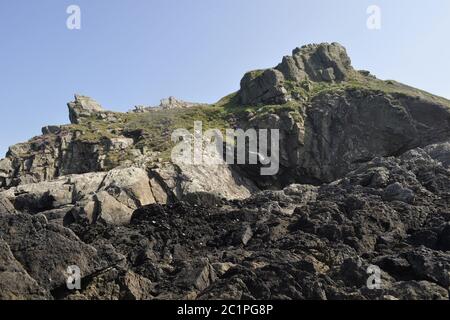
(37, 197)
(433, 265)
(130, 186)
(136, 287)
(197, 275)
(57, 215)
(263, 87)
(111, 210)
(396, 192)
(189, 181)
(113, 196)
(86, 184)
(119, 143)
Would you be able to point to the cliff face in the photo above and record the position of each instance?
(363, 169)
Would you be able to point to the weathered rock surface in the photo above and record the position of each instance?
(303, 242)
(192, 181)
(363, 184)
(15, 282)
(336, 132)
(46, 250)
(335, 118)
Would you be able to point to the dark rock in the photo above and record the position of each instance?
(396, 192)
(242, 236)
(418, 290)
(15, 282)
(443, 240)
(267, 87)
(51, 130)
(198, 274)
(431, 265)
(46, 250)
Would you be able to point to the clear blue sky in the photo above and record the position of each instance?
(139, 51)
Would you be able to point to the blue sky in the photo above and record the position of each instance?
(139, 51)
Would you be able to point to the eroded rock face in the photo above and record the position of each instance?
(336, 132)
(263, 87)
(49, 156)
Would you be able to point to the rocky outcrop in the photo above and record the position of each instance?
(338, 131)
(317, 63)
(331, 119)
(203, 182)
(363, 185)
(263, 87)
(83, 107)
(174, 103)
(113, 196)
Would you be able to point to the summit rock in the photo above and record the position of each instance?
(83, 106)
(315, 62)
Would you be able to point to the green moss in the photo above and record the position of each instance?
(256, 73)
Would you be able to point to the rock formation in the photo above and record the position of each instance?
(364, 183)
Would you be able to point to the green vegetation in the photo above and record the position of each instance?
(157, 126)
(152, 130)
(372, 84)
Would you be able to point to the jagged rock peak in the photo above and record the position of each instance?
(314, 62)
(317, 62)
(83, 106)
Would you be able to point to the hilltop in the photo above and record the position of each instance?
(363, 180)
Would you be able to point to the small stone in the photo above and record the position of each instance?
(396, 192)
